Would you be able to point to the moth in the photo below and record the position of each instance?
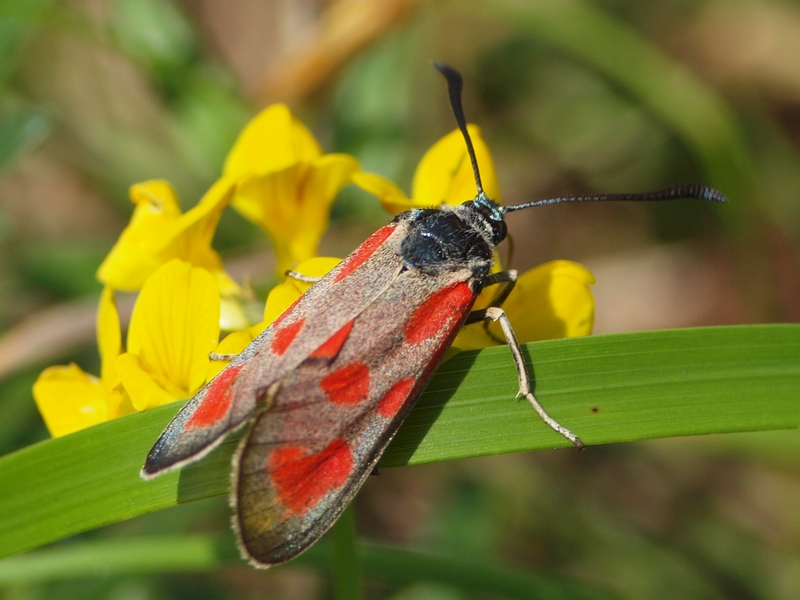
(326, 386)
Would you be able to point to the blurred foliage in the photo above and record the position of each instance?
(611, 95)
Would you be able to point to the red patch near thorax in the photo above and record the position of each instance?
(217, 400)
(394, 398)
(347, 385)
(284, 336)
(363, 252)
(439, 313)
(330, 349)
(301, 480)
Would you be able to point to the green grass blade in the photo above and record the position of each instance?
(169, 553)
(346, 565)
(609, 388)
(153, 554)
(605, 388)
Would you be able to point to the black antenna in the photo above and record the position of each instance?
(700, 192)
(454, 85)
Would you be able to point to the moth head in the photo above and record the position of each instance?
(491, 214)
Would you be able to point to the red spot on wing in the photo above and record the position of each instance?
(284, 336)
(363, 252)
(301, 480)
(394, 398)
(439, 313)
(217, 400)
(330, 349)
(348, 385)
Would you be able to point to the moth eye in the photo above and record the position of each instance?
(496, 222)
(500, 230)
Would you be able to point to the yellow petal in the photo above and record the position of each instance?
(444, 175)
(142, 389)
(118, 401)
(272, 141)
(268, 197)
(232, 344)
(192, 233)
(158, 232)
(154, 199)
(69, 399)
(237, 312)
(174, 327)
(279, 299)
(472, 337)
(109, 338)
(293, 205)
(235, 342)
(284, 295)
(133, 258)
(316, 268)
(552, 301)
(392, 198)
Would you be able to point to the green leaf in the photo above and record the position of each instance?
(608, 388)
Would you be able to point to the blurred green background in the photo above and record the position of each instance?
(572, 97)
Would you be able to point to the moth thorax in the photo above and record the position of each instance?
(446, 238)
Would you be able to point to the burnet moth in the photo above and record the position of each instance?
(326, 386)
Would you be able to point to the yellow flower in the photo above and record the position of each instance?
(70, 399)
(444, 176)
(173, 329)
(159, 232)
(285, 184)
(175, 325)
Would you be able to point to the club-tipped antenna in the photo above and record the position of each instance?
(454, 85)
(700, 192)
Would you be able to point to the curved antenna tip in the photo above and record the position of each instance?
(454, 85)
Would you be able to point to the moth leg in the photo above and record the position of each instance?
(301, 277)
(495, 313)
(223, 357)
(508, 279)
